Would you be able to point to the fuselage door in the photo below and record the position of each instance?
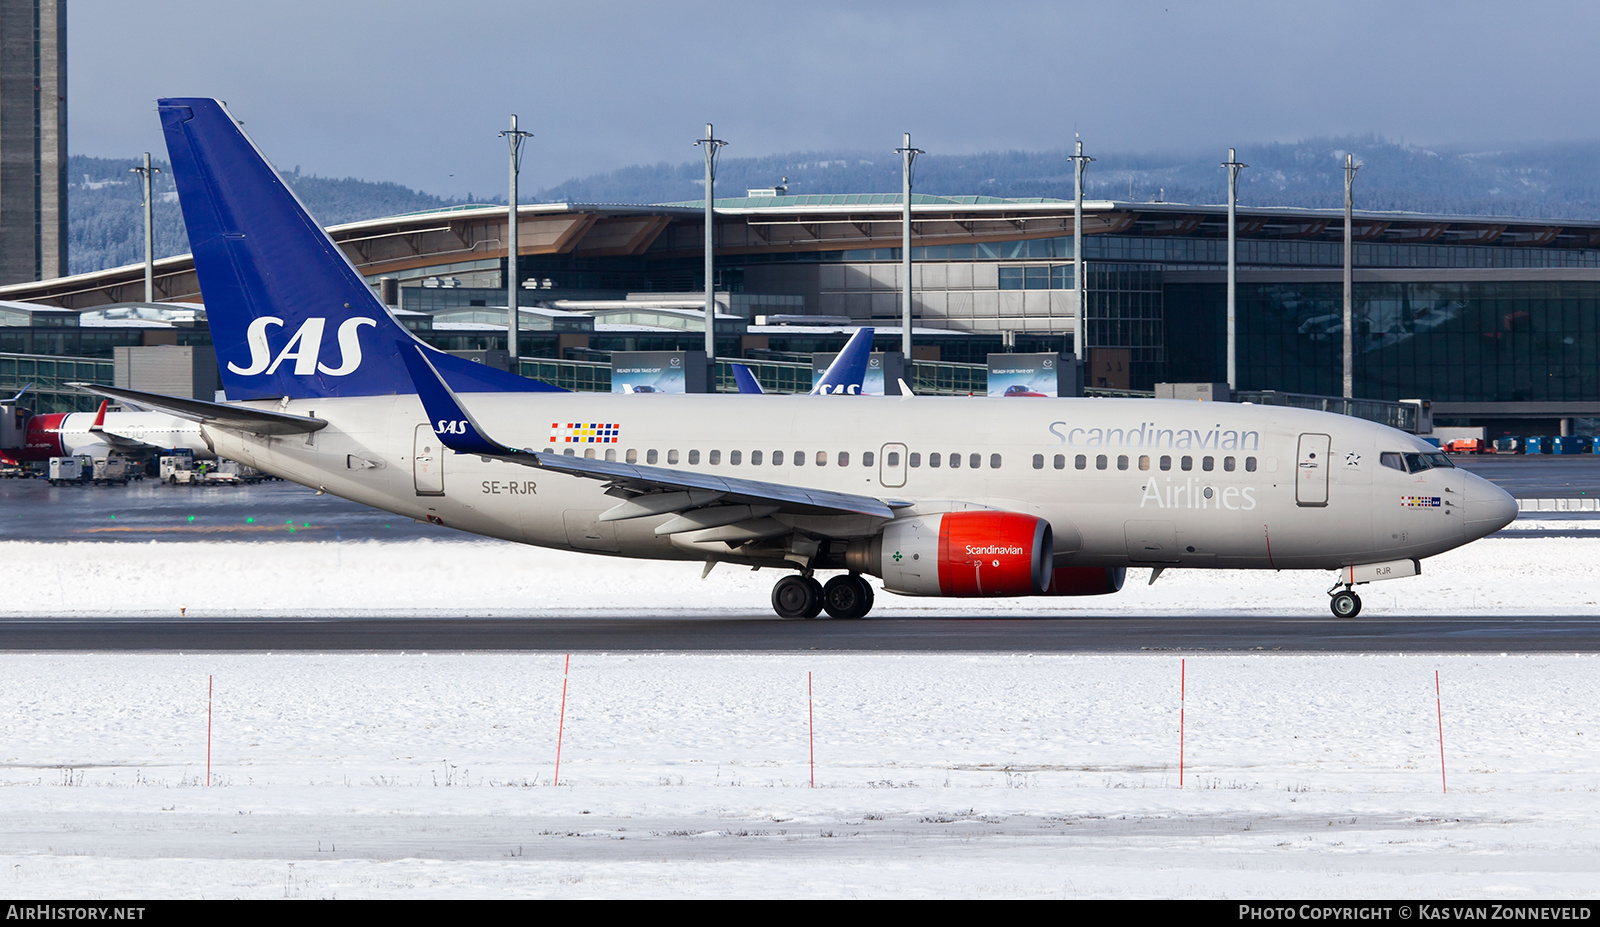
(427, 462)
(892, 465)
(1311, 470)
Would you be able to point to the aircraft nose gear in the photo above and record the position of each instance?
(797, 597)
(1344, 603)
(847, 596)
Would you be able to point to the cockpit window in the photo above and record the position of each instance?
(1415, 463)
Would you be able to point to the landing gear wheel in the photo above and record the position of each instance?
(1345, 604)
(797, 597)
(847, 596)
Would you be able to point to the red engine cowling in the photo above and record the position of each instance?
(966, 554)
(1086, 580)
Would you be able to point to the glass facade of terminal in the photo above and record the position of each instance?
(1449, 342)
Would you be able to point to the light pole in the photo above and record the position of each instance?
(710, 143)
(146, 175)
(1080, 270)
(1234, 167)
(1350, 168)
(514, 137)
(908, 158)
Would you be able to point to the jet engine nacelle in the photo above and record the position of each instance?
(1086, 580)
(960, 554)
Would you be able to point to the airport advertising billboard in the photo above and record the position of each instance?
(1034, 375)
(658, 372)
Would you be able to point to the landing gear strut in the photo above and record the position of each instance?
(797, 597)
(847, 596)
(1344, 603)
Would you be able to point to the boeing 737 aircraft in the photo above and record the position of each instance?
(933, 496)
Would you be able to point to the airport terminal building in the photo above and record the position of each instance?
(1495, 320)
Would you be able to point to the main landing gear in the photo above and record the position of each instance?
(846, 596)
(1344, 603)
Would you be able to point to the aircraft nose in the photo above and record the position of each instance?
(1489, 508)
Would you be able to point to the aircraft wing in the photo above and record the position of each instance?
(676, 490)
(218, 414)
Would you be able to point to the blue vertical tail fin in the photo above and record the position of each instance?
(289, 314)
(849, 370)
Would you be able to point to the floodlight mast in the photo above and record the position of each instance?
(711, 143)
(1080, 272)
(1234, 167)
(146, 175)
(908, 158)
(1350, 168)
(514, 137)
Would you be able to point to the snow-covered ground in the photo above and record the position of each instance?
(689, 775)
(1504, 574)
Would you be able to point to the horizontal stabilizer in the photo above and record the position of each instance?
(219, 414)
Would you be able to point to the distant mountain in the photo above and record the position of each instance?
(106, 228)
(105, 218)
(1557, 181)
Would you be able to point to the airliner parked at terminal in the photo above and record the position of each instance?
(935, 496)
(25, 436)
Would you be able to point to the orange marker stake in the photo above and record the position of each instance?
(1438, 704)
(562, 726)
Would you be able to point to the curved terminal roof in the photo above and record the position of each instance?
(454, 239)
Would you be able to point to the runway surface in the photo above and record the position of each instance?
(1510, 634)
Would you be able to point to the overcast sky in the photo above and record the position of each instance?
(414, 91)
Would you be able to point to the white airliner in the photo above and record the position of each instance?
(934, 496)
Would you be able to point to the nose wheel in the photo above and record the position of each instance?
(1344, 603)
(797, 597)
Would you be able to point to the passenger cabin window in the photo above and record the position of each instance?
(914, 459)
(611, 453)
(672, 456)
(777, 458)
(935, 459)
(799, 458)
(892, 459)
(975, 461)
(1186, 463)
(1166, 462)
(822, 458)
(633, 455)
(1144, 461)
(844, 458)
(651, 456)
(1060, 462)
(866, 458)
(955, 461)
(1100, 462)
(716, 458)
(755, 458)
(1038, 461)
(1122, 461)
(1208, 463)
(694, 457)
(734, 457)
(1227, 464)
(1081, 462)
(1250, 464)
